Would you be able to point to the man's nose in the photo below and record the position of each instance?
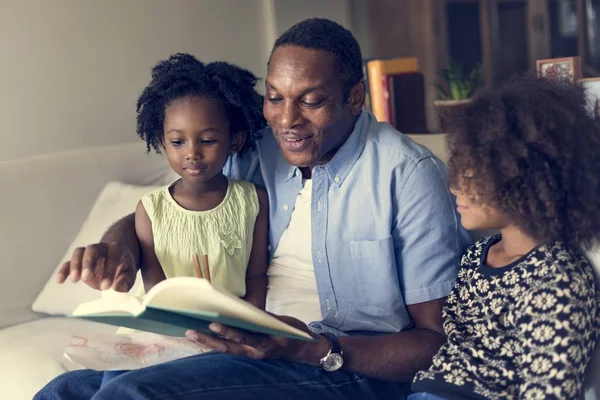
(290, 115)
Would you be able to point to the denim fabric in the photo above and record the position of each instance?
(222, 377)
(424, 396)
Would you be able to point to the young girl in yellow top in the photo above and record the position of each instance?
(199, 114)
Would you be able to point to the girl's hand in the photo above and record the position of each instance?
(101, 266)
(257, 346)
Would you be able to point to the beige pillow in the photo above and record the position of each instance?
(115, 201)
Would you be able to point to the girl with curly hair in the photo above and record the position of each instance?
(523, 316)
(199, 114)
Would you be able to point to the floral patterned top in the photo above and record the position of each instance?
(523, 331)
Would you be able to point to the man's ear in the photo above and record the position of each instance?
(357, 98)
(238, 139)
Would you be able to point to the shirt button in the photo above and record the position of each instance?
(337, 179)
(269, 247)
(286, 207)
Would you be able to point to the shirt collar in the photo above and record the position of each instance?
(344, 159)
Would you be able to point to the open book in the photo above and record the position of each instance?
(177, 304)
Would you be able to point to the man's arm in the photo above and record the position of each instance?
(111, 263)
(397, 356)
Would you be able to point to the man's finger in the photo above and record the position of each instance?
(236, 335)
(89, 262)
(209, 341)
(108, 276)
(122, 281)
(75, 264)
(63, 272)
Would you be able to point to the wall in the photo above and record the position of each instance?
(280, 15)
(72, 70)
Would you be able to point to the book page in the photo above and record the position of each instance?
(127, 352)
(190, 295)
(111, 302)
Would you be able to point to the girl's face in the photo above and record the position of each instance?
(197, 139)
(473, 214)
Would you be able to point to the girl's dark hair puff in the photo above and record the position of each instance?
(534, 150)
(183, 75)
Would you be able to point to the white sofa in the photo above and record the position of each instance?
(45, 202)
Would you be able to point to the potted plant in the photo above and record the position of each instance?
(456, 89)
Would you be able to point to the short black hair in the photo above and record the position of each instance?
(326, 35)
(532, 146)
(182, 75)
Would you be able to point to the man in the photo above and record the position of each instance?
(364, 245)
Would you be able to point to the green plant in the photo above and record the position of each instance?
(459, 86)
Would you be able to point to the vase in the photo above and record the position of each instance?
(448, 110)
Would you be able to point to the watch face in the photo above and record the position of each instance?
(333, 362)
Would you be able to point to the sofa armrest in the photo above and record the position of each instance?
(44, 203)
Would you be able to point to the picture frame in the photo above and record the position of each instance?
(560, 68)
(592, 92)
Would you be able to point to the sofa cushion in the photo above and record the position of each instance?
(31, 354)
(49, 198)
(115, 201)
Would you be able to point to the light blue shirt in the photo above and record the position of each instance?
(385, 233)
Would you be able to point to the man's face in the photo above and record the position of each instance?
(304, 105)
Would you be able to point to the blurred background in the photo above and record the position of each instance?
(71, 70)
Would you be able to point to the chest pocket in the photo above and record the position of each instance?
(376, 287)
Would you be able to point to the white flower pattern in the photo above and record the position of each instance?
(527, 332)
(230, 241)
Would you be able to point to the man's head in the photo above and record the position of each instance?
(314, 90)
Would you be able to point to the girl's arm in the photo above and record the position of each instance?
(558, 324)
(256, 274)
(152, 272)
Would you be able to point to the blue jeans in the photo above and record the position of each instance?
(424, 396)
(222, 377)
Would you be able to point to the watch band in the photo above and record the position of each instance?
(334, 343)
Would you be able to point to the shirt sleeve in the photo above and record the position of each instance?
(244, 168)
(557, 328)
(428, 238)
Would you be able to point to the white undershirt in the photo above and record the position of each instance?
(292, 286)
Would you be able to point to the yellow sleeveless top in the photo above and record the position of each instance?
(224, 233)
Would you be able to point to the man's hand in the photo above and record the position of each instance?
(258, 346)
(101, 266)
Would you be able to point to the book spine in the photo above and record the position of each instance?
(376, 89)
(378, 71)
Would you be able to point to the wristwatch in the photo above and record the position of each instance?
(334, 359)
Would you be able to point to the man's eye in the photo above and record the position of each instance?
(274, 100)
(313, 104)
